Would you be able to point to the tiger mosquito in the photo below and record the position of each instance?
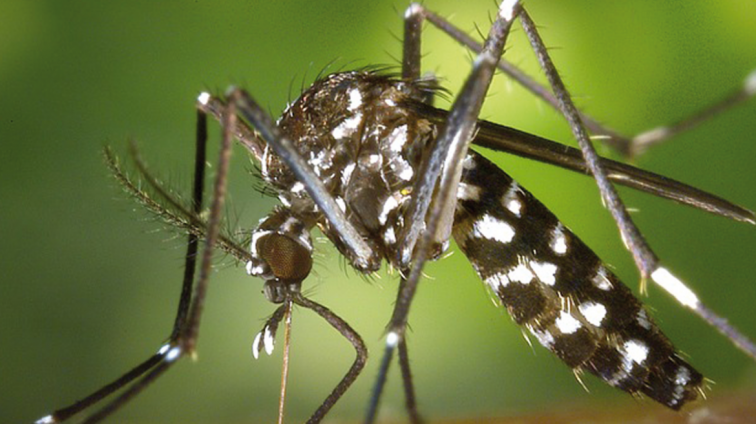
(366, 158)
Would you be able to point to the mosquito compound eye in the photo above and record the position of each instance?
(288, 259)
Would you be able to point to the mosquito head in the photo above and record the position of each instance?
(281, 253)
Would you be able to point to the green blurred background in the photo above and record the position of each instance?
(90, 286)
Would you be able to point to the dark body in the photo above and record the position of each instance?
(363, 137)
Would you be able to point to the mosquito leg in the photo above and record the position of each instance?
(640, 143)
(451, 145)
(64, 414)
(383, 369)
(185, 336)
(646, 261)
(409, 387)
(134, 389)
(419, 13)
(526, 145)
(193, 243)
(628, 146)
(190, 331)
(506, 139)
(411, 54)
(348, 332)
(410, 71)
(380, 382)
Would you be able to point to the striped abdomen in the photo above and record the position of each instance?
(555, 286)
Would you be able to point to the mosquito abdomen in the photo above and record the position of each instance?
(554, 285)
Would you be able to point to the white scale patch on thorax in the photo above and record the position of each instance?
(341, 203)
(320, 161)
(297, 187)
(398, 138)
(347, 173)
(355, 99)
(397, 142)
(389, 236)
(347, 127)
(389, 205)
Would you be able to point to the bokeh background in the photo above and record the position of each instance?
(90, 282)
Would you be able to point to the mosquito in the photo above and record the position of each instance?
(365, 157)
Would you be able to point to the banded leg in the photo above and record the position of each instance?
(413, 19)
(410, 402)
(646, 260)
(628, 146)
(158, 363)
(439, 170)
(411, 58)
(555, 286)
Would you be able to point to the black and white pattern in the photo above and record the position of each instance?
(367, 159)
(548, 280)
(555, 286)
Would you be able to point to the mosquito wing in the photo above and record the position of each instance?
(510, 140)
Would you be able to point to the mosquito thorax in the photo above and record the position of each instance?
(359, 135)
